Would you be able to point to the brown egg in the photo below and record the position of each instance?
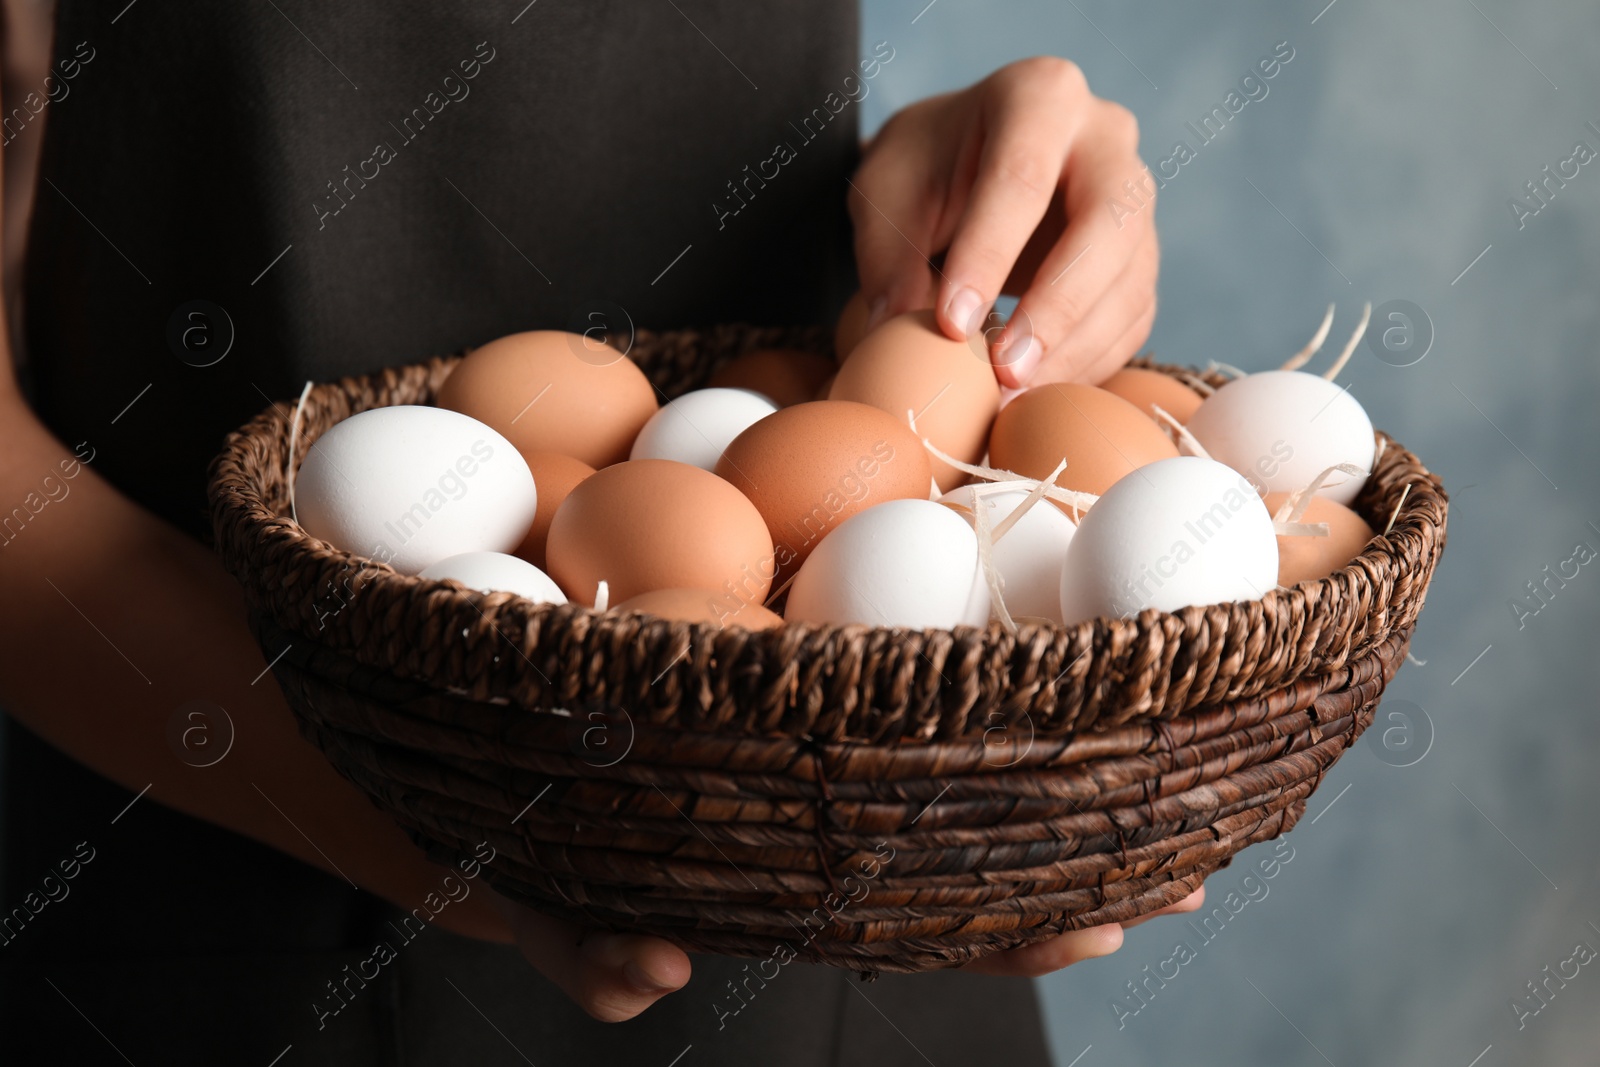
(549, 391)
(907, 364)
(784, 375)
(702, 605)
(808, 468)
(1305, 559)
(1143, 388)
(1100, 435)
(851, 327)
(649, 524)
(852, 324)
(554, 477)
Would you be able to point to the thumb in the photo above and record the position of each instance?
(611, 976)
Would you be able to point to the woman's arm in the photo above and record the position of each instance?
(113, 619)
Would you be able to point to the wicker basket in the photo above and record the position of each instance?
(877, 799)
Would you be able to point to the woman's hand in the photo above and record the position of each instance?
(1014, 180)
(614, 977)
(611, 976)
(1042, 957)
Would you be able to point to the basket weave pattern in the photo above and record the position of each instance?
(877, 799)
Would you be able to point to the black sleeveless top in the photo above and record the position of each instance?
(237, 197)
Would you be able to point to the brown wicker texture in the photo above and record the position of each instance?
(877, 799)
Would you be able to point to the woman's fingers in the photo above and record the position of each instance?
(1029, 113)
(893, 210)
(1193, 902)
(1044, 957)
(1107, 337)
(620, 975)
(1122, 350)
(1093, 251)
(611, 976)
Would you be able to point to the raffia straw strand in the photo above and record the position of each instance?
(1302, 357)
(290, 474)
(1350, 346)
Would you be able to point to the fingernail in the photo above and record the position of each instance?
(875, 312)
(1021, 356)
(642, 981)
(963, 309)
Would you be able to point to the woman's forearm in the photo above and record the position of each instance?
(114, 619)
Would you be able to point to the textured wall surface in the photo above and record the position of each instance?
(1379, 167)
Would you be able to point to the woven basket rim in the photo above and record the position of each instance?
(1272, 629)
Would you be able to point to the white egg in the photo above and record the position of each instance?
(409, 486)
(697, 426)
(496, 572)
(911, 563)
(1170, 534)
(1283, 428)
(1030, 555)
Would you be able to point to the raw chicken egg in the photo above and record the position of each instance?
(701, 605)
(852, 324)
(1100, 435)
(910, 563)
(496, 572)
(550, 391)
(697, 426)
(908, 365)
(1282, 428)
(1304, 558)
(655, 524)
(555, 475)
(1175, 533)
(809, 467)
(410, 485)
(784, 375)
(1029, 556)
(1148, 389)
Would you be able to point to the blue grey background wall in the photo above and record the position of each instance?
(1380, 164)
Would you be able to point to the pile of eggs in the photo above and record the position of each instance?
(893, 488)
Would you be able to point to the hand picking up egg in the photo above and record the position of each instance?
(910, 497)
